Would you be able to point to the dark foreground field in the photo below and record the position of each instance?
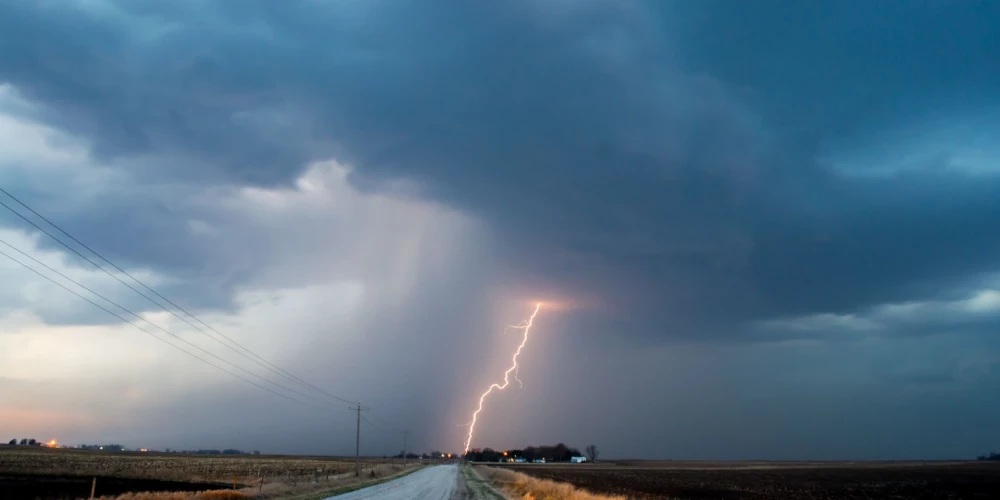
(784, 481)
(31, 487)
(31, 472)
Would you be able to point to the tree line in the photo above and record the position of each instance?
(557, 453)
(24, 442)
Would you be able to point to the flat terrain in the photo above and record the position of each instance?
(30, 473)
(31, 487)
(438, 482)
(166, 466)
(779, 480)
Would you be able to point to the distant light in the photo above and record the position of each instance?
(102, 447)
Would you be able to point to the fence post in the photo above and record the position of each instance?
(93, 486)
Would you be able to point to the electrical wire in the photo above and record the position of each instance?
(158, 327)
(263, 362)
(95, 304)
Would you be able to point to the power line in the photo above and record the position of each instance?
(405, 434)
(266, 364)
(393, 426)
(393, 430)
(381, 428)
(387, 423)
(376, 427)
(288, 376)
(357, 442)
(158, 327)
(95, 304)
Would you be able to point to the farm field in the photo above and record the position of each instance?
(167, 466)
(779, 480)
(62, 473)
(31, 486)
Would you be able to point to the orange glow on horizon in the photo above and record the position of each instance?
(506, 375)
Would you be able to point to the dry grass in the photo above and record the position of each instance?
(273, 490)
(165, 495)
(281, 490)
(850, 481)
(526, 487)
(283, 477)
(177, 467)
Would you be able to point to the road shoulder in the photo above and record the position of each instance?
(471, 486)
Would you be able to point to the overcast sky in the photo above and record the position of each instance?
(761, 230)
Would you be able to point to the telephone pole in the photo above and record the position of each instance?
(404, 447)
(357, 441)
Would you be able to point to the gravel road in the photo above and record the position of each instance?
(431, 483)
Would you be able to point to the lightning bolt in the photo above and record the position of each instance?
(526, 326)
(520, 326)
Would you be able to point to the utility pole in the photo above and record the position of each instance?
(404, 447)
(357, 441)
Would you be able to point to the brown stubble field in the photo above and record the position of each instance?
(779, 480)
(167, 466)
(30, 473)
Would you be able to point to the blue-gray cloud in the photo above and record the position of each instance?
(674, 157)
(781, 171)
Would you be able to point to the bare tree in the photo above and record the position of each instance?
(592, 452)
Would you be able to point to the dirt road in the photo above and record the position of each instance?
(432, 483)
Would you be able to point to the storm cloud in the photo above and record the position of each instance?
(748, 184)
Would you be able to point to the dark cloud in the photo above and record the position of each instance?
(682, 170)
(667, 157)
(846, 69)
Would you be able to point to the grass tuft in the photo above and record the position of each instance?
(181, 495)
(526, 487)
